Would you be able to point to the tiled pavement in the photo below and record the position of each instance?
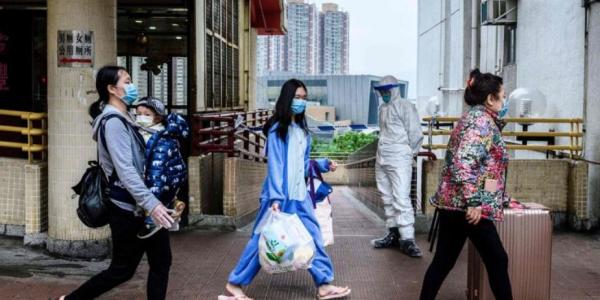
(202, 261)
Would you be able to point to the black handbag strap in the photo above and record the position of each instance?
(314, 167)
(102, 136)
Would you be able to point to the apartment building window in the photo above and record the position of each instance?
(222, 54)
(510, 44)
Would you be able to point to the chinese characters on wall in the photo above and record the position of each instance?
(75, 48)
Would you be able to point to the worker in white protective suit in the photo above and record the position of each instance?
(400, 139)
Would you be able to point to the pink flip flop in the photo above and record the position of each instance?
(335, 294)
(223, 297)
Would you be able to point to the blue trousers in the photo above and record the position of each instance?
(248, 266)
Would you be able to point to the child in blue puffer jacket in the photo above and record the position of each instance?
(166, 171)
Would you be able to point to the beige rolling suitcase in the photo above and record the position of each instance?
(527, 238)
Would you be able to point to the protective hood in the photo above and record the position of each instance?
(391, 84)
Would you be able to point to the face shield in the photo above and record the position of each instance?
(385, 91)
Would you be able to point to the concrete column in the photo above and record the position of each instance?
(248, 69)
(592, 111)
(199, 54)
(70, 144)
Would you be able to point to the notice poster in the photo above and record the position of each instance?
(75, 48)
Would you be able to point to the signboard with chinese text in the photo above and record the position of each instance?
(75, 48)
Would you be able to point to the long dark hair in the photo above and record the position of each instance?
(480, 85)
(107, 75)
(283, 110)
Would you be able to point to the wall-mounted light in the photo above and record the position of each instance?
(178, 38)
(152, 27)
(139, 21)
(175, 25)
(142, 39)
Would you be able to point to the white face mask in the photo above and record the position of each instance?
(144, 121)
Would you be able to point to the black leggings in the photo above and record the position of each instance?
(126, 255)
(453, 232)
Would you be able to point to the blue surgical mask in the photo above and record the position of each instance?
(298, 106)
(386, 98)
(504, 110)
(131, 94)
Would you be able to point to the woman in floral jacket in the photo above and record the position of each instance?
(471, 192)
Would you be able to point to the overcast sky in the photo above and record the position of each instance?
(383, 37)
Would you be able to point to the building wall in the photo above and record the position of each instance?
(351, 95)
(440, 54)
(23, 197)
(592, 109)
(12, 191)
(560, 185)
(242, 188)
(322, 113)
(550, 55)
(206, 184)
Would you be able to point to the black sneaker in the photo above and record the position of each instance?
(389, 241)
(410, 248)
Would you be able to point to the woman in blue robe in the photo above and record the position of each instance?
(284, 189)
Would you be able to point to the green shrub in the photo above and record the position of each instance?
(348, 142)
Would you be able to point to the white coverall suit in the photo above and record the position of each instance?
(400, 139)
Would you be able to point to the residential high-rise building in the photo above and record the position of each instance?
(296, 52)
(334, 40)
(270, 53)
(316, 42)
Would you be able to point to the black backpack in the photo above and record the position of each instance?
(93, 187)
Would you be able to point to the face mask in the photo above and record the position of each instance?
(298, 106)
(504, 110)
(144, 121)
(131, 94)
(386, 98)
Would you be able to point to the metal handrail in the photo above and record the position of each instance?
(575, 135)
(216, 133)
(30, 131)
(513, 120)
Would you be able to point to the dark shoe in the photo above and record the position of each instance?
(388, 241)
(410, 248)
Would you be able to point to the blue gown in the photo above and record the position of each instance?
(275, 189)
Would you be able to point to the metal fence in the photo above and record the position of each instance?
(574, 148)
(230, 133)
(37, 126)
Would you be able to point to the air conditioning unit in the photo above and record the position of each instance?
(498, 12)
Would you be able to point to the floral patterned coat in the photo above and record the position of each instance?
(476, 152)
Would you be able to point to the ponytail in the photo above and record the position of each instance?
(107, 75)
(480, 85)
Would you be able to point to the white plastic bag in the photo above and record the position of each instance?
(284, 245)
(324, 217)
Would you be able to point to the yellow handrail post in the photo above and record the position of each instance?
(571, 151)
(30, 131)
(573, 148)
(29, 140)
(44, 139)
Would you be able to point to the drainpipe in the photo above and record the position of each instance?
(475, 33)
(447, 52)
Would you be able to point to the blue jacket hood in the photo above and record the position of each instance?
(176, 127)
